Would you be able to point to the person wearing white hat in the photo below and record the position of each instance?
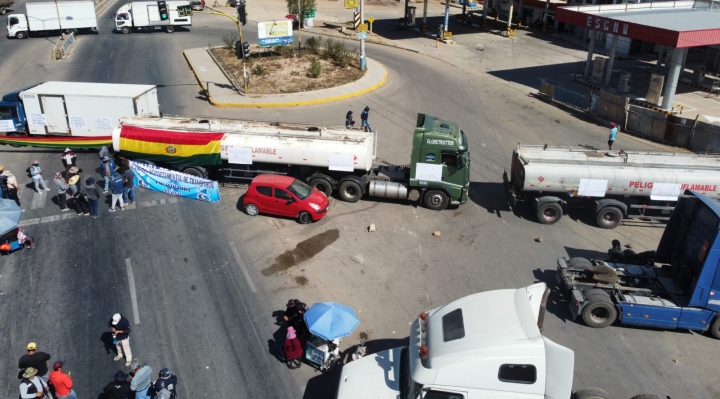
(68, 158)
(120, 328)
(37, 178)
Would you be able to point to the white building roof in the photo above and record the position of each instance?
(90, 89)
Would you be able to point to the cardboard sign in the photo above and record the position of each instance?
(240, 155)
(77, 122)
(7, 125)
(428, 172)
(341, 162)
(665, 192)
(592, 188)
(38, 119)
(104, 123)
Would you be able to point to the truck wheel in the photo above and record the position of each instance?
(251, 210)
(591, 393)
(579, 263)
(304, 218)
(21, 35)
(436, 200)
(169, 29)
(609, 217)
(599, 312)
(645, 396)
(549, 213)
(194, 172)
(350, 191)
(323, 185)
(715, 327)
(125, 30)
(2, 10)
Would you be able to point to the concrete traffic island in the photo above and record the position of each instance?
(222, 93)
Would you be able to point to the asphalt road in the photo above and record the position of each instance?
(217, 336)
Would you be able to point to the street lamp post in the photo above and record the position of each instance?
(239, 26)
(362, 41)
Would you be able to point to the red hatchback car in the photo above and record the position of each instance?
(285, 196)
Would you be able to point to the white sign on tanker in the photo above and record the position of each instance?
(341, 162)
(239, 155)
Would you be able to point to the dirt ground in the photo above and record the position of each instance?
(285, 73)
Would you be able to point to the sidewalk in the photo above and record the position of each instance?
(221, 92)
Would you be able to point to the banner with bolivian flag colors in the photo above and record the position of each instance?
(170, 146)
(57, 142)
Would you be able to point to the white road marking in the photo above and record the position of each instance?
(133, 294)
(38, 200)
(242, 267)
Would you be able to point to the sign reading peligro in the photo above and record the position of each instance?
(607, 25)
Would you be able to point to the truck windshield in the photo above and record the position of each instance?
(700, 236)
(409, 389)
(300, 189)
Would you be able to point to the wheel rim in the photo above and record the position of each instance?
(251, 210)
(550, 214)
(350, 191)
(610, 217)
(436, 200)
(305, 218)
(599, 315)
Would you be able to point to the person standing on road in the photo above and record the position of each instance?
(613, 135)
(36, 360)
(140, 380)
(166, 381)
(62, 382)
(116, 189)
(37, 178)
(364, 119)
(292, 350)
(129, 186)
(79, 193)
(68, 158)
(93, 195)
(118, 388)
(61, 187)
(120, 328)
(31, 386)
(11, 186)
(107, 168)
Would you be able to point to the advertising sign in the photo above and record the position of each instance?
(350, 3)
(175, 183)
(275, 33)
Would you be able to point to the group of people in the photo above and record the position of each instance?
(37, 382)
(293, 319)
(86, 194)
(364, 124)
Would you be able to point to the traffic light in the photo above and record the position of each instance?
(246, 49)
(238, 50)
(163, 10)
(242, 15)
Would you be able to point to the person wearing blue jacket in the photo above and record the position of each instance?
(107, 168)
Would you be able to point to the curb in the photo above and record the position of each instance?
(290, 103)
(223, 70)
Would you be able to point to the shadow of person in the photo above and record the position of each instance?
(278, 315)
(107, 340)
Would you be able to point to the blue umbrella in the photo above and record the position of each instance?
(331, 320)
(10, 214)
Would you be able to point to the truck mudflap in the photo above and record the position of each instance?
(576, 303)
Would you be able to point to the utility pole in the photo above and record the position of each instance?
(239, 27)
(362, 41)
(299, 27)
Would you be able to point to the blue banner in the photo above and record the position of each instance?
(276, 41)
(175, 183)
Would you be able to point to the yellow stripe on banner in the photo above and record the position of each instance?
(171, 150)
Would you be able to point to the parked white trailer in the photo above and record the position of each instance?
(84, 109)
(153, 15)
(611, 184)
(55, 16)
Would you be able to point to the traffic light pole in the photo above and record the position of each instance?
(362, 41)
(239, 26)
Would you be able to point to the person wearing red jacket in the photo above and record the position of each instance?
(292, 350)
(62, 382)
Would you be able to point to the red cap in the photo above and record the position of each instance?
(613, 124)
(57, 366)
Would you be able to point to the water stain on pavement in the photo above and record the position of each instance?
(303, 251)
(301, 280)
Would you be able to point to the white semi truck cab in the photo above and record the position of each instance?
(486, 345)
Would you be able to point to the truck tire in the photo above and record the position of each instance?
(21, 35)
(549, 213)
(2, 10)
(323, 185)
(251, 210)
(645, 396)
(436, 200)
(591, 393)
(609, 217)
(350, 191)
(715, 327)
(169, 29)
(304, 218)
(599, 312)
(579, 262)
(125, 30)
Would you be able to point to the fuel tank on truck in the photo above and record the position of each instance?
(274, 142)
(633, 173)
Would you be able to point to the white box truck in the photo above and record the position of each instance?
(147, 16)
(75, 109)
(44, 18)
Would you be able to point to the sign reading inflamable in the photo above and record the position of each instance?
(275, 33)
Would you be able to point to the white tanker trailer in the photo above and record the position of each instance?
(328, 158)
(613, 185)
